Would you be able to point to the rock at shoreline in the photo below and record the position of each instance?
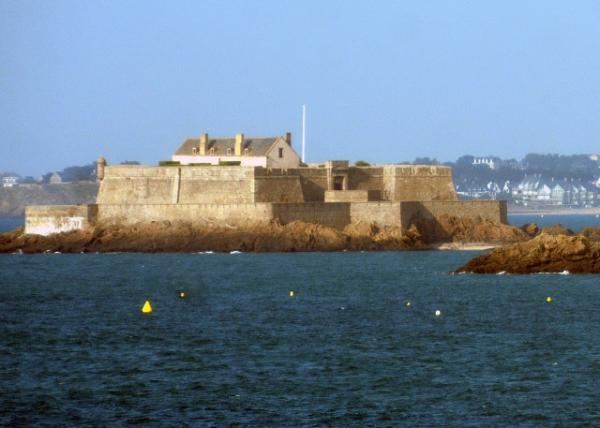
(544, 253)
(166, 236)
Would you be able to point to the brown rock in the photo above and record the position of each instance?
(545, 253)
(557, 229)
(531, 229)
(178, 236)
(591, 233)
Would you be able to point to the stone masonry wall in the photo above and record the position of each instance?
(491, 210)
(336, 215)
(418, 183)
(48, 219)
(221, 214)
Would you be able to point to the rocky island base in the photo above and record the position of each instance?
(167, 236)
(555, 250)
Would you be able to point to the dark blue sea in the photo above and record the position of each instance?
(345, 350)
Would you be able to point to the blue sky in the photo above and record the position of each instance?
(382, 81)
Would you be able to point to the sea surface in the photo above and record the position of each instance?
(345, 350)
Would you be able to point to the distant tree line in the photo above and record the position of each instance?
(80, 173)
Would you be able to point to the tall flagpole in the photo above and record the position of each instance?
(303, 131)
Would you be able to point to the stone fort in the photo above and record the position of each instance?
(242, 180)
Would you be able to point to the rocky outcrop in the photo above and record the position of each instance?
(544, 253)
(166, 236)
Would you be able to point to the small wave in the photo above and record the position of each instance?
(235, 252)
(19, 251)
(502, 272)
(564, 272)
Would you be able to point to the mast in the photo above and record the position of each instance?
(303, 131)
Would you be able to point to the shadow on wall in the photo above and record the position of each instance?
(457, 221)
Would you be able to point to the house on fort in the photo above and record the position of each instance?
(268, 152)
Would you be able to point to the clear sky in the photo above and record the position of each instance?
(382, 81)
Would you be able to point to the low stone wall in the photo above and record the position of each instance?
(346, 196)
(45, 220)
(332, 214)
(225, 214)
(380, 213)
(48, 219)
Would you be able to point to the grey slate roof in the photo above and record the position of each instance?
(256, 146)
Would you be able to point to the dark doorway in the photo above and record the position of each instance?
(338, 182)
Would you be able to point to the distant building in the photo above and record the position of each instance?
(491, 190)
(10, 181)
(55, 178)
(269, 152)
(535, 190)
(489, 162)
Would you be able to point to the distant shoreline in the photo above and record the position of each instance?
(555, 211)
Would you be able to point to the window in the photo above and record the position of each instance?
(212, 150)
(281, 152)
(229, 152)
(194, 151)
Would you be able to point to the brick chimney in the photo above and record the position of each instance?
(239, 144)
(288, 138)
(203, 144)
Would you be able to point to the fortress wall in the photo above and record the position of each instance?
(431, 210)
(133, 184)
(366, 178)
(380, 213)
(138, 184)
(314, 184)
(48, 219)
(419, 183)
(336, 215)
(219, 214)
(216, 185)
(278, 189)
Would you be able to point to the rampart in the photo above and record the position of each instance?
(333, 194)
(135, 184)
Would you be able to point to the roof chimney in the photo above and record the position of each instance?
(288, 138)
(203, 144)
(239, 142)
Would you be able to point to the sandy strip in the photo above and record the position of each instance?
(467, 246)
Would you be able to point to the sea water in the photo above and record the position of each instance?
(345, 350)
(358, 343)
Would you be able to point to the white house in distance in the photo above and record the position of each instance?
(489, 162)
(268, 152)
(10, 181)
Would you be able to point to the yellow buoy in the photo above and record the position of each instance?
(147, 308)
(549, 299)
(182, 294)
(291, 293)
